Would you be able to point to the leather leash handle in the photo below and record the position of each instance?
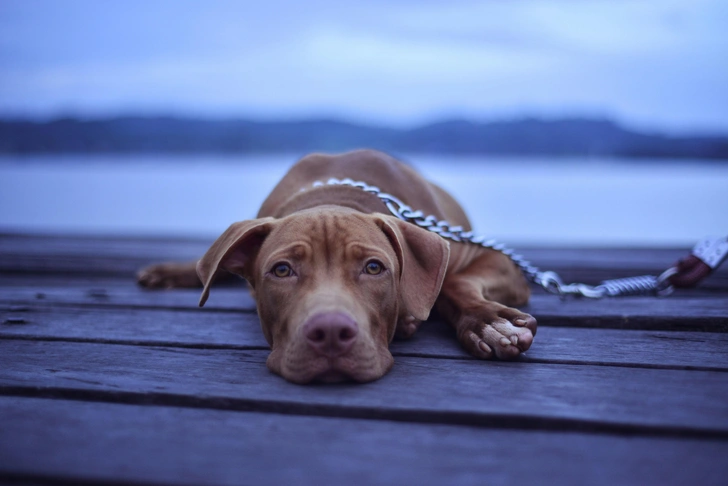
(705, 257)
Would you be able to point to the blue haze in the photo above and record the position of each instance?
(521, 201)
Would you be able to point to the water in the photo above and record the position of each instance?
(519, 201)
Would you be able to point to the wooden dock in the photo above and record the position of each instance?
(103, 382)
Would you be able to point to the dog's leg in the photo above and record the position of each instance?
(176, 275)
(170, 275)
(406, 327)
(475, 301)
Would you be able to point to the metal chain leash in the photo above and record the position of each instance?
(549, 280)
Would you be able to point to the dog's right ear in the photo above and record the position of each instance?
(233, 251)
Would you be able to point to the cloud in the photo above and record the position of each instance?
(655, 62)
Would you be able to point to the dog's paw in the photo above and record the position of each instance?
(168, 276)
(406, 327)
(504, 333)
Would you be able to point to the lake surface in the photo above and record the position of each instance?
(519, 201)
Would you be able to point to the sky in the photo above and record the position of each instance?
(660, 64)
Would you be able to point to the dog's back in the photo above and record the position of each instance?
(370, 166)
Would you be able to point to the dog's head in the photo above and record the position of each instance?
(331, 284)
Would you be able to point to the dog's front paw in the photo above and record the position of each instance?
(406, 327)
(169, 276)
(500, 332)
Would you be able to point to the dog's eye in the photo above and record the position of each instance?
(373, 267)
(282, 270)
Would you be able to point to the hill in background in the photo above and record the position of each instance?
(525, 137)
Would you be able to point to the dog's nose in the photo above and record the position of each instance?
(330, 334)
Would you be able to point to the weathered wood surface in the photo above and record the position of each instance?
(553, 396)
(202, 328)
(681, 311)
(103, 381)
(173, 445)
(113, 256)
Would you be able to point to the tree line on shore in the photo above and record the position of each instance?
(522, 137)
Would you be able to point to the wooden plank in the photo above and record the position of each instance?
(87, 255)
(201, 328)
(466, 392)
(557, 345)
(115, 256)
(99, 245)
(681, 311)
(241, 330)
(81, 441)
(117, 292)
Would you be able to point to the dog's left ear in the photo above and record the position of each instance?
(423, 258)
(234, 251)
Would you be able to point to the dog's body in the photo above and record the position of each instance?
(335, 275)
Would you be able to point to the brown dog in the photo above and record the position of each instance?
(335, 276)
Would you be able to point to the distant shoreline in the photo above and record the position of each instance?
(527, 137)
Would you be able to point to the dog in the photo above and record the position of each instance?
(335, 276)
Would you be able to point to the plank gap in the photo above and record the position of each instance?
(7, 477)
